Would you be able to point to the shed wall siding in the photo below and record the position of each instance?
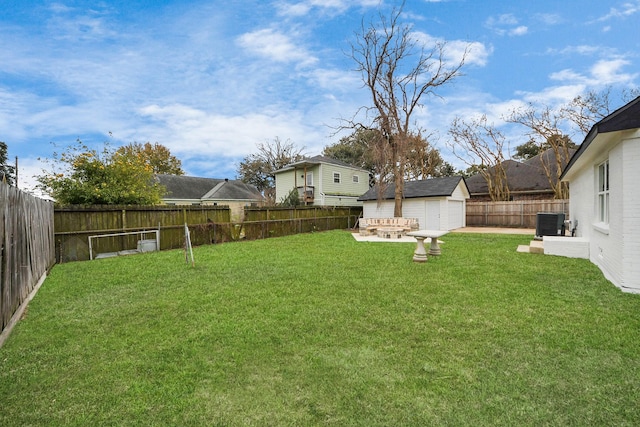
(372, 210)
(415, 208)
(459, 193)
(456, 216)
(439, 213)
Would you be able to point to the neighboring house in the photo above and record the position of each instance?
(526, 180)
(437, 203)
(190, 190)
(604, 200)
(322, 181)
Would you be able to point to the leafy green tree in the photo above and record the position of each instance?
(81, 175)
(7, 172)
(527, 150)
(472, 170)
(157, 156)
(355, 149)
(446, 169)
(422, 159)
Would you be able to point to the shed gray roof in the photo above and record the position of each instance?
(195, 188)
(624, 118)
(433, 187)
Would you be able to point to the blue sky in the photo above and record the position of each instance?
(210, 79)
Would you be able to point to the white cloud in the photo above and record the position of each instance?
(549, 18)
(506, 24)
(303, 8)
(554, 95)
(625, 10)
(587, 50)
(475, 53)
(609, 72)
(275, 46)
(603, 73)
(506, 19)
(519, 31)
(567, 75)
(28, 169)
(196, 133)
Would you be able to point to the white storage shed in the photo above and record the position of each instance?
(437, 203)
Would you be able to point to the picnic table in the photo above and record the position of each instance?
(420, 255)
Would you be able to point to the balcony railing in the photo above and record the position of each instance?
(306, 194)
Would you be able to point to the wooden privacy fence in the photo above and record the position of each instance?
(26, 247)
(207, 225)
(519, 213)
(75, 224)
(261, 223)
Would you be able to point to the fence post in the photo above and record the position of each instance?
(486, 214)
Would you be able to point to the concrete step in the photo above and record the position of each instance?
(534, 247)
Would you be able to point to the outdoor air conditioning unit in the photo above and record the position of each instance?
(550, 224)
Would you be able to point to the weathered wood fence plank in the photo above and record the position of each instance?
(26, 247)
(519, 213)
(207, 225)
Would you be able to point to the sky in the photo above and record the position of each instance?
(210, 79)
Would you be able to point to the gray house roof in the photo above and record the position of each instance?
(624, 118)
(522, 177)
(434, 187)
(194, 188)
(316, 160)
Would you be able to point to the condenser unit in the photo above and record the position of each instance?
(550, 224)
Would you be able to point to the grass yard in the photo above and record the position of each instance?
(318, 329)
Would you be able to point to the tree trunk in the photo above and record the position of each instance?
(398, 179)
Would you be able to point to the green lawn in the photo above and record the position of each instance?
(318, 329)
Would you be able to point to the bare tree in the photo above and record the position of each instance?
(398, 71)
(548, 128)
(477, 140)
(555, 146)
(584, 111)
(258, 168)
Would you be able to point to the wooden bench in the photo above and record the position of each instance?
(370, 226)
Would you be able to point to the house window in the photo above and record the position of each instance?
(336, 177)
(356, 179)
(603, 192)
(309, 182)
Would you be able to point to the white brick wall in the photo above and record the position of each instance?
(630, 230)
(571, 247)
